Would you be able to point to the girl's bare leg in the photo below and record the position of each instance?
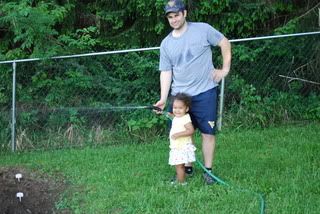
(180, 173)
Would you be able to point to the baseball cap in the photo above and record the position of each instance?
(174, 6)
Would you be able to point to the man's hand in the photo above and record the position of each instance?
(161, 104)
(219, 74)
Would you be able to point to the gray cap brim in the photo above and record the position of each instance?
(173, 10)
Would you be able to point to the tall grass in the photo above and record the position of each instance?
(282, 163)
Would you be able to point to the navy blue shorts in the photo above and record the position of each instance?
(203, 111)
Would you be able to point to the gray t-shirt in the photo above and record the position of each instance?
(189, 57)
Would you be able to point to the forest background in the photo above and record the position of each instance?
(31, 28)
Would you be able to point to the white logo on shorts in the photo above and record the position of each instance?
(211, 123)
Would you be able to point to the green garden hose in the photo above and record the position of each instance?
(220, 181)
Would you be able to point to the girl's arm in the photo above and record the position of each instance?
(188, 132)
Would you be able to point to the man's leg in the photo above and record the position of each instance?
(203, 115)
(208, 148)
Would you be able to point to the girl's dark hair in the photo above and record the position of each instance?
(185, 98)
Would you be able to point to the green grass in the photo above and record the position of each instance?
(282, 163)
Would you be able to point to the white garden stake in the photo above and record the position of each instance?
(18, 176)
(20, 195)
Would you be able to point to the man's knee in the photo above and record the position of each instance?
(207, 138)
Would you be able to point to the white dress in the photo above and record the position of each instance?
(182, 149)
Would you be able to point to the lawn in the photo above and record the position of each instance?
(282, 163)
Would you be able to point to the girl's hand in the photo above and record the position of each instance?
(174, 136)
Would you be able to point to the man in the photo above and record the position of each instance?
(186, 66)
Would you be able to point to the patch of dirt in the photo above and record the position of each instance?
(40, 193)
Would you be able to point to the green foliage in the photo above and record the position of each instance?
(255, 97)
(5, 88)
(3, 96)
(39, 28)
(290, 27)
(248, 108)
(145, 129)
(144, 125)
(313, 109)
(32, 28)
(82, 40)
(238, 19)
(5, 128)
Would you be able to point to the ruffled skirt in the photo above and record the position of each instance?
(183, 155)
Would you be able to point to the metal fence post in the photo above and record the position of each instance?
(13, 119)
(221, 104)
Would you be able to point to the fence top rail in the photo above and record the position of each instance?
(152, 48)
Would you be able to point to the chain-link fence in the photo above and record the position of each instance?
(274, 81)
(101, 98)
(5, 103)
(86, 100)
